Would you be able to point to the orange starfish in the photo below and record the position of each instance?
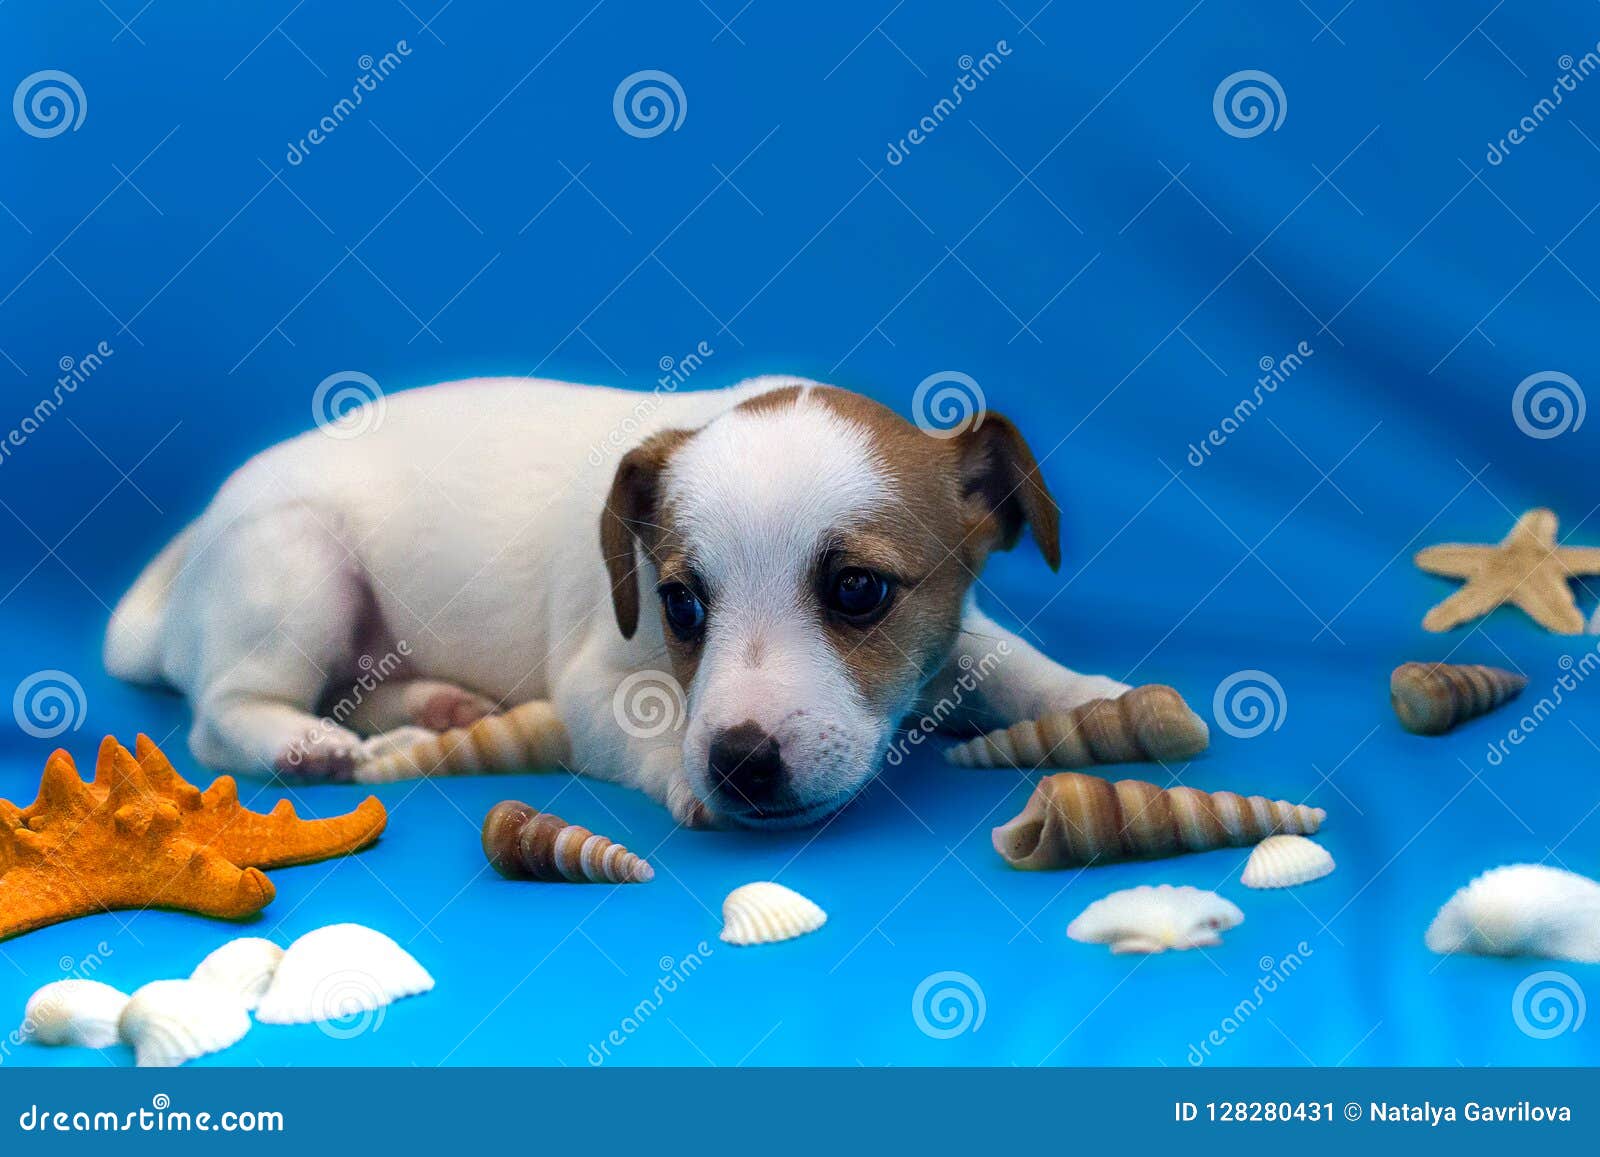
(1527, 569)
(77, 851)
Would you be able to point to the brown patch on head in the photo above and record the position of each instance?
(634, 513)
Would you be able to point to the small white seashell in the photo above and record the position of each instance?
(169, 1022)
(74, 1012)
(764, 913)
(1153, 919)
(1522, 910)
(243, 967)
(1284, 861)
(337, 972)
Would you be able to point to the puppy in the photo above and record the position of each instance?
(796, 558)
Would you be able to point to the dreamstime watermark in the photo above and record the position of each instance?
(674, 372)
(973, 673)
(373, 674)
(348, 404)
(74, 372)
(1574, 673)
(1548, 404)
(1248, 103)
(648, 103)
(72, 968)
(1274, 372)
(1248, 703)
(1548, 1004)
(674, 974)
(947, 404)
(973, 73)
(649, 704)
(1274, 974)
(48, 103)
(49, 703)
(349, 1003)
(1573, 73)
(373, 74)
(948, 1004)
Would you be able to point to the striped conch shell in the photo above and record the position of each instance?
(1431, 698)
(1146, 723)
(523, 843)
(1074, 820)
(524, 738)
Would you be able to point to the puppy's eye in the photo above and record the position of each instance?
(686, 614)
(857, 593)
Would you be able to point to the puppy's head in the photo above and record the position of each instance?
(810, 553)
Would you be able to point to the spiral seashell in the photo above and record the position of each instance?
(766, 913)
(74, 1012)
(1073, 820)
(339, 971)
(1154, 919)
(1432, 698)
(523, 843)
(169, 1022)
(1522, 910)
(1147, 723)
(244, 967)
(1286, 861)
(525, 738)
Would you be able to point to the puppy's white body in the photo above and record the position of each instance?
(452, 549)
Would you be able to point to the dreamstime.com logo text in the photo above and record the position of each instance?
(1574, 673)
(72, 968)
(1274, 372)
(1274, 974)
(373, 73)
(74, 372)
(973, 673)
(159, 1117)
(973, 73)
(1573, 73)
(674, 974)
(674, 372)
(373, 673)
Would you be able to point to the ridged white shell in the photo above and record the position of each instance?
(244, 966)
(764, 913)
(1153, 919)
(1522, 910)
(74, 1012)
(1285, 861)
(337, 972)
(169, 1022)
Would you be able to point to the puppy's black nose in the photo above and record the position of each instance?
(747, 766)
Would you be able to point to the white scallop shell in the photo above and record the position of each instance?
(169, 1022)
(74, 1012)
(764, 913)
(1522, 910)
(244, 966)
(337, 972)
(1284, 861)
(1153, 919)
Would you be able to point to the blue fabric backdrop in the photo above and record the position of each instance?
(1110, 258)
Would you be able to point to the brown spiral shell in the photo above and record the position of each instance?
(1432, 698)
(523, 843)
(1147, 723)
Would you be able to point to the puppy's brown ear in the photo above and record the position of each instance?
(631, 515)
(1004, 490)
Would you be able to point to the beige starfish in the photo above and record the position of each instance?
(1527, 569)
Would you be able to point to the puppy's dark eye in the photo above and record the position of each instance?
(686, 614)
(857, 593)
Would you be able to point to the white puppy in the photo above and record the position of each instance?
(810, 555)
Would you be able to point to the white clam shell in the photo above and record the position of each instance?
(169, 1022)
(1153, 919)
(337, 972)
(1285, 861)
(764, 913)
(74, 1012)
(244, 966)
(1522, 910)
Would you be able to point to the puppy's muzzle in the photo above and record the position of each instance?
(747, 770)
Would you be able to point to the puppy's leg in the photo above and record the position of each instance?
(432, 704)
(994, 678)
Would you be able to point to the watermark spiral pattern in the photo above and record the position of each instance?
(1548, 404)
(349, 1003)
(1548, 1004)
(648, 103)
(48, 103)
(1248, 703)
(48, 703)
(649, 704)
(1248, 103)
(948, 1004)
(947, 404)
(348, 404)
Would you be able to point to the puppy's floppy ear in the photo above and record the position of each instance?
(631, 515)
(1003, 488)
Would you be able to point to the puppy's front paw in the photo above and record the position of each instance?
(1084, 688)
(319, 758)
(686, 807)
(441, 706)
